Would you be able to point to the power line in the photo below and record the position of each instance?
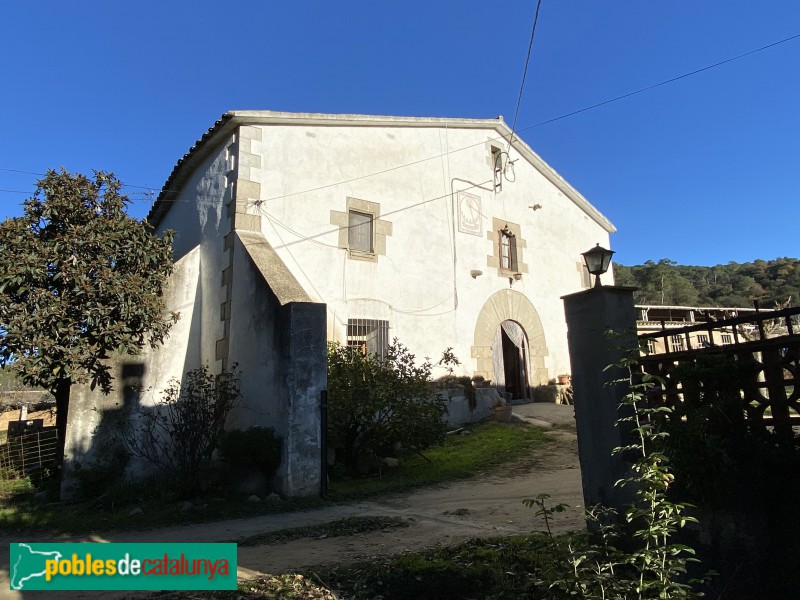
(23, 172)
(124, 185)
(525, 71)
(529, 127)
(540, 124)
(311, 238)
(665, 82)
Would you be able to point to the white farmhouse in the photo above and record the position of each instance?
(297, 229)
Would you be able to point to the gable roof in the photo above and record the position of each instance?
(236, 118)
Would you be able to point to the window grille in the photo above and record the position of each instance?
(727, 338)
(677, 343)
(702, 340)
(370, 336)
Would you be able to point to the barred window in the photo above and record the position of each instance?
(678, 343)
(369, 336)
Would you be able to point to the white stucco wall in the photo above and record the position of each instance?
(198, 217)
(422, 285)
(92, 414)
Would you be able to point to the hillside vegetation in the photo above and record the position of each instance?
(771, 282)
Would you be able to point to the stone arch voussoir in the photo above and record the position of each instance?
(514, 306)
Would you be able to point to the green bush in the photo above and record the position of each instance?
(638, 556)
(180, 432)
(380, 407)
(256, 447)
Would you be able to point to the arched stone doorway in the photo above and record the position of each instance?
(509, 305)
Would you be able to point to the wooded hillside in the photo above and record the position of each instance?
(770, 282)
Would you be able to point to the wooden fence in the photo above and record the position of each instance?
(765, 352)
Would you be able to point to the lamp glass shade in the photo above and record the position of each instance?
(597, 259)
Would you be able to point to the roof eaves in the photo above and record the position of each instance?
(234, 118)
(182, 169)
(557, 180)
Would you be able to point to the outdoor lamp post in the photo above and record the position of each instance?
(597, 261)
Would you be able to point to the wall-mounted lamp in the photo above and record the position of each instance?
(597, 261)
(476, 273)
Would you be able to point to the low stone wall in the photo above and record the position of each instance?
(458, 409)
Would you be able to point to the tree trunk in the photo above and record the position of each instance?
(61, 393)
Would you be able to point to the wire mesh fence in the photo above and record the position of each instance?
(28, 455)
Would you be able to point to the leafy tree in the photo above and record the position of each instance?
(376, 406)
(79, 280)
(771, 283)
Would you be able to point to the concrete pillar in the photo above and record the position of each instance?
(306, 375)
(590, 314)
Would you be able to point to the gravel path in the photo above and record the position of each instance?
(485, 506)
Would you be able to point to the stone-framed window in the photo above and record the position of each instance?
(508, 246)
(361, 230)
(508, 250)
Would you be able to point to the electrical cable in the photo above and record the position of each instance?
(300, 268)
(299, 235)
(386, 214)
(525, 72)
(410, 311)
(526, 128)
(665, 82)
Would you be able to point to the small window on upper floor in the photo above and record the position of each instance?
(360, 230)
(508, 250)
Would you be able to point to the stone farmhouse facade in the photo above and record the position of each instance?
(294, 230)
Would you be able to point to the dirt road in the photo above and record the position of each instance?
(485, 506)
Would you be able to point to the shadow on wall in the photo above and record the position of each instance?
(96, 456)
(94, 448)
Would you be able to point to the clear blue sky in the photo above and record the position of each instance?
(704, 170)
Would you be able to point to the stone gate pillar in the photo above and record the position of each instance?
(590, 315)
